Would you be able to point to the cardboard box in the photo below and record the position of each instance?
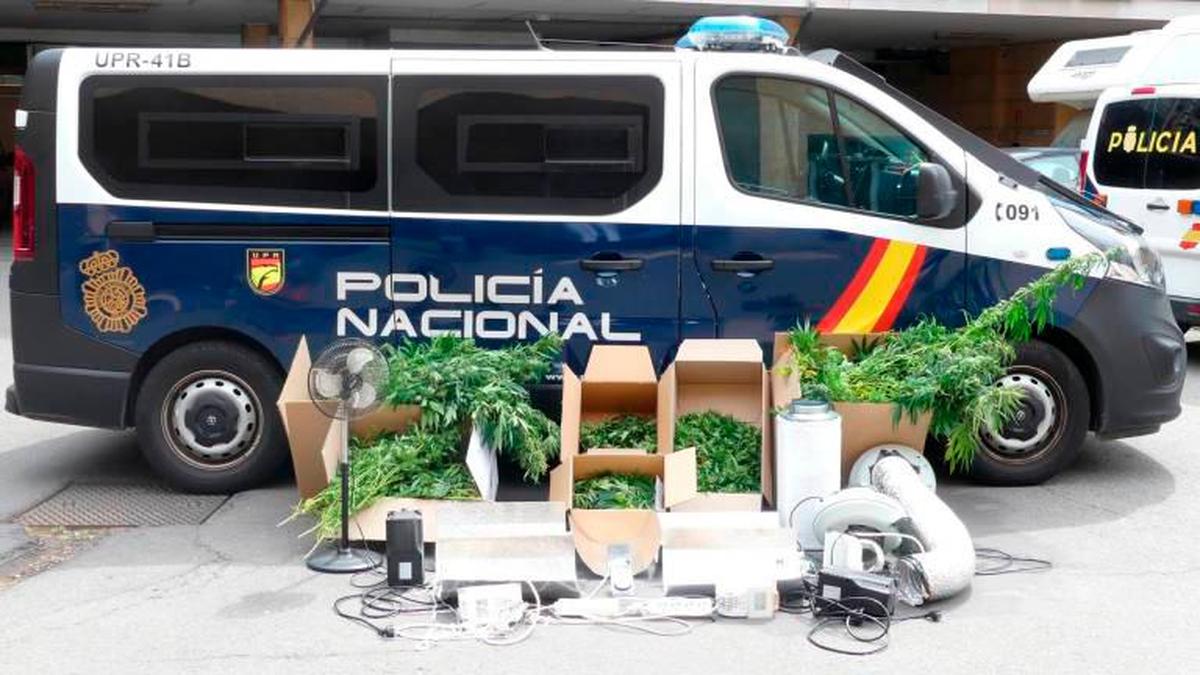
(594, 530)
(726, 376)
(618, 380)
(316, 445)
(864, 425)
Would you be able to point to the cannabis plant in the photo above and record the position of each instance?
(417, 465)
(950, 373)
(622, 431)
(728, 451)
(457, 384)
(615, 491)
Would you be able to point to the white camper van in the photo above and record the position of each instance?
(1080, 70)
(1140, 149)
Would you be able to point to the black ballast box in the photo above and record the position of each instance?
(405, 548)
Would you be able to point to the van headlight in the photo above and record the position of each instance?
(1130, 259)
(1138, 263)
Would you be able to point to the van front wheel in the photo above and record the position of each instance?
(1047, 431)
(206, 418)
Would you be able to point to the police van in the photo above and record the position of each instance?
(184, 216)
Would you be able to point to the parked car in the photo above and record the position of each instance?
(185, 216)
(1058, 164)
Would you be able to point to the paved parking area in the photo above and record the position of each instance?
(232, 594)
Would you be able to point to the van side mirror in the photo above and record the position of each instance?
(936, 196)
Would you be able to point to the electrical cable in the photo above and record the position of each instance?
(998, 562)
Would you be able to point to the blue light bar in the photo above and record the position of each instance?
(735, 33)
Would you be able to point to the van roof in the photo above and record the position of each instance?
(1080, 70)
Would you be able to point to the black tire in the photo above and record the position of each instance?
(231, 438)
(1056, 388)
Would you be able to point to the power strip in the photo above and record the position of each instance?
(611, 608)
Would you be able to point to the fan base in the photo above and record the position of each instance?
(332, 559)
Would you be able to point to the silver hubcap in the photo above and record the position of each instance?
(212, 419)
(1034, 423)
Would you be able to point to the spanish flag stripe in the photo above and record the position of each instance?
(846, 299)
(902, 291)
(875, 296)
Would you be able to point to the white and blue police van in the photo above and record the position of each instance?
(184, 216)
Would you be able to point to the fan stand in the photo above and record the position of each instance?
(338, 557)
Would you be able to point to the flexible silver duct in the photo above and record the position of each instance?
(946, 566)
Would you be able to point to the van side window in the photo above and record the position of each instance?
(880, 161)
(793, 140)
(585, 145)
(278, 140)
(779, 139)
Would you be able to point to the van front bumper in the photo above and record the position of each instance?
(1139, 356)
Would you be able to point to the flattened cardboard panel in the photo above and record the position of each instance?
(307, 432)
(721, 350)
(595, 531)
(572, 399)
(620, 364)
(679, 476)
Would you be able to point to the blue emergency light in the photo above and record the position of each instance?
(735, 33)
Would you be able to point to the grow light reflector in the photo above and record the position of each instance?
(734, 33)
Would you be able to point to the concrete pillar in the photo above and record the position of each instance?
(293, 16)
(256, 35)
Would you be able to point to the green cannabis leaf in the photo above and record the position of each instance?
(928, 367)
(728, 451)
(622, 431)
(615, 491)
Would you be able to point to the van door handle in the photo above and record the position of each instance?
(611, 263)
(743, 266)
(1158, 205)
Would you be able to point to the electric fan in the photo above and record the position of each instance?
(344, 384)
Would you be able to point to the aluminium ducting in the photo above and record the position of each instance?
(947, 564)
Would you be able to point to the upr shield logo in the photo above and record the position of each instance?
(265, 270)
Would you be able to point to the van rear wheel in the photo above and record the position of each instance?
(1048, 430)
(206, 418)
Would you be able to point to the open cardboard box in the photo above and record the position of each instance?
(864, 425)
(618, 380)
(726, 376)
(594, 530)
(316, 445)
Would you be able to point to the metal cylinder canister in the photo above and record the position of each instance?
(808, 455)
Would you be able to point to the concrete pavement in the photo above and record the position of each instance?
(233, 594)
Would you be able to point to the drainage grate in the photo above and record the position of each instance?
(121, 505)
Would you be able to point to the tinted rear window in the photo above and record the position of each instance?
(1178, 122)
(1149, 144)
(1117, 162)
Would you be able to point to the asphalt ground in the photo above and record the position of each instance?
(233, 594)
